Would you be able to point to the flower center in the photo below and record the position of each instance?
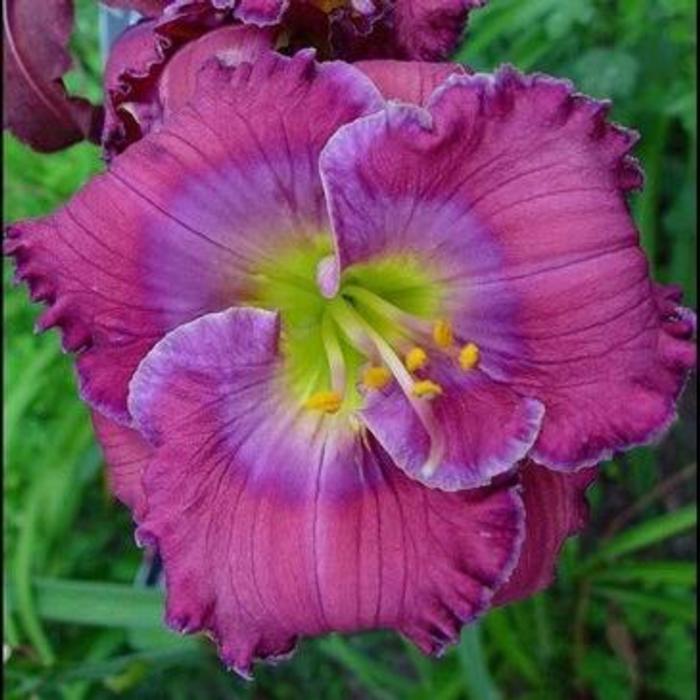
(384, 324)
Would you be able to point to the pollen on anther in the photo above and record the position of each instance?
(469, 356)
(376, 377)
(443, 334)
(426, 389)
(416, 358)
(325, 401)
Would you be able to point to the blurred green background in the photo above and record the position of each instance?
(619, 622)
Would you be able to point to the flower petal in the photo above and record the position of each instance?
(480, 428)
(130, 80)
(232, 45)
(148, 8)
(274, 523)
(555, 509)
(409, 81)
(126, 455)
(152, 67)
(36, 107)
(512, 189)
(172, 230)
(260, 13)
(431, 30)
(426, 30)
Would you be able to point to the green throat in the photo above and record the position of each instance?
(378, 314)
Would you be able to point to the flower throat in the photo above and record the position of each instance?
(384, 323)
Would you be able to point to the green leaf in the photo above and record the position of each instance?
(102, 669)
(605, 73)
(22, 597)
(103, 604)
(680, 609)
(380, 680)
(503, 637)
(645, 534)
(23, 392)
(475, 672)
(675, 573)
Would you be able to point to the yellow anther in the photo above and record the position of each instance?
(416, 358)
(426, 389)
(376, 377)
(326, 401)
(442, 333)
(469, 356)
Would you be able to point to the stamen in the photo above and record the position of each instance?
(443, 334)
(347, 317)
(376, 377)
(416, 358)
(426, 389)
(469, 356)
(326, 401)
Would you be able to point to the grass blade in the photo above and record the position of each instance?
(477, 679)
(102, 604)
(501, 634)
(644, 535)
(675, 608)
(674, 573)
(378, 680)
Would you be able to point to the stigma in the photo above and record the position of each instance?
(324, 401)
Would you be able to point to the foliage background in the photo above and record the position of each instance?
(620, 621)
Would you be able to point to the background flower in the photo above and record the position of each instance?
(176, 37)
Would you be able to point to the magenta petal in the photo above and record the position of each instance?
(172, 230)
(126, 455)
(555, 509)
(480, 429)
(430, 30)
(231, 45)
(426, 30)
(513, 189)
(260, 13)
(36, 107)
(152, 68)
(409, 81)
(130, 80)
(148, 8)
(275, 523)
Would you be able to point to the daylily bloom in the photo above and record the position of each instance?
(349, 29)
(352, 360)
(185, 33)
(152, 67)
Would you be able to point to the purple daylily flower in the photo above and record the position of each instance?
(351, 360)
(152, 67)
(40, 112)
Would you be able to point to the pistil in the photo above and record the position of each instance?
(386, 309)
(348, 318)
(334, 354)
